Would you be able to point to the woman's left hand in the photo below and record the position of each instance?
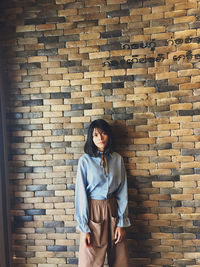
(119, 234)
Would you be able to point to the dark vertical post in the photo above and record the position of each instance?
(5, 246)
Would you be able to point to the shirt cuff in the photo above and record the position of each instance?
(124, 222)
(84, 229)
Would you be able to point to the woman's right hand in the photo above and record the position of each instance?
(86, 238)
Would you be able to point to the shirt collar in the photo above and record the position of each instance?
(99, 153)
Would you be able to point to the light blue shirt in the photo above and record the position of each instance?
(92, 182)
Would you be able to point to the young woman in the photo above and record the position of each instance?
(101, 201)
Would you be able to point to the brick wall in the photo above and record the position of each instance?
(135, 64)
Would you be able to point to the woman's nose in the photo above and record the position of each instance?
(101, 136)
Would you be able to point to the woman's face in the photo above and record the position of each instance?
(100, 139)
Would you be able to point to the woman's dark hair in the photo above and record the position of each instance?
(90, 147)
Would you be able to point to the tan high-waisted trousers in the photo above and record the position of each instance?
(103, 222)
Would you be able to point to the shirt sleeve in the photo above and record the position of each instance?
(122, 199)
(81, 200)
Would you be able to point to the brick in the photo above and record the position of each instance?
(140, 11)
(181, 106)
(90, 49)
(167, 75)
(45, 27)
(57, 70)
(146, 166)
(100, 80)
(80, 82)
(97, 42)
(137, 71)
(154, 30)
(152, 16)
(60, 108)
(37, 59)
(53, 102)
(144, 141)
(183, 34)
(72, 76)
(64, 1)
(80, 119)
(94, 99)
(74, 138)
(25, 28)
(122, 104)
(65, 51)
(195, 79)
(187, 5)
(25, 41)
(168, 126)
(99, 55)
(159, 133)
(75, 44)
(94, 74)
(117, 53)
(68, 12)
(115, 72)
(188, 72)
(182, 197)
(116, 2)
(108, 21)
(136, 97)
(89, 36)
(53, 114)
